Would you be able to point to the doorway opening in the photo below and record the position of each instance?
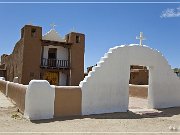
(138, 87)
(52, 55)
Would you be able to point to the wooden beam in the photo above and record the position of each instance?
(55, 43)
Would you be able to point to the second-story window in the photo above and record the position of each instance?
(52, 53)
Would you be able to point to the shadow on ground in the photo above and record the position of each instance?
(169, 112)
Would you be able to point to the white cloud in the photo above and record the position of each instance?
(170, 12)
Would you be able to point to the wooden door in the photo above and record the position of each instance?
(52, 77)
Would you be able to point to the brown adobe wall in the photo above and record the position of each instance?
(3, 73)
(140, 91)
(32, 53)
(3, 86)
(139, 77)
(77, 58)
(24, 62)
(13, 63)
(67, 101)
(17, 92)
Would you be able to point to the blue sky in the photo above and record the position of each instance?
(105, 25)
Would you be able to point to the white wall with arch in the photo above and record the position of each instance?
(106, 88)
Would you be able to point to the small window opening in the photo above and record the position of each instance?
(77, 39)
(33, 33)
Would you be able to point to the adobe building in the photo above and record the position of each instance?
(50, 57)
(139, 75)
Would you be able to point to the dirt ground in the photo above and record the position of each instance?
(138, 120)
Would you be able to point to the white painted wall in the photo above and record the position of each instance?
(62, 53)
(53, 36)
(16, 80)
(7, 87)
(39, 100)
(62, 79)
(2, 78)
(106, 88)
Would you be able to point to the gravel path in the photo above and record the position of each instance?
(135, 120)
(4, 102)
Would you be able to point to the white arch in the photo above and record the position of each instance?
(106, 88)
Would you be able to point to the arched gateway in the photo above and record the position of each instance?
(106, 88)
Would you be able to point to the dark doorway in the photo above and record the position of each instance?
(52, 53)
(52, 57)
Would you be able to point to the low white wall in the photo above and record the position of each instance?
(39, 101)
(16, 80)
(105, 89)
(2, 78)
(7, 87)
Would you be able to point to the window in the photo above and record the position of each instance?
(33, 32)
(77, 39)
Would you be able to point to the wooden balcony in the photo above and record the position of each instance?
(54, 63)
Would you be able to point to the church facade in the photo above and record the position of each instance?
(48, 57)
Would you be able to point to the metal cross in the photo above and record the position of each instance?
(52, 25)
(73, 29)
(30, 23)
(141, 38)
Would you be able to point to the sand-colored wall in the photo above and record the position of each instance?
(139, 77)
(31, 54)
(76, 58)
(17, 92)
(13, 62)
(140, 91)
(3, 86)
(67, 101)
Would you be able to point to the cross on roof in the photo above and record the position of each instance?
(141, 38)
(30, 23)
(53, 25)
(73, 29)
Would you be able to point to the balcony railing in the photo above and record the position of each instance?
(54, 63)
